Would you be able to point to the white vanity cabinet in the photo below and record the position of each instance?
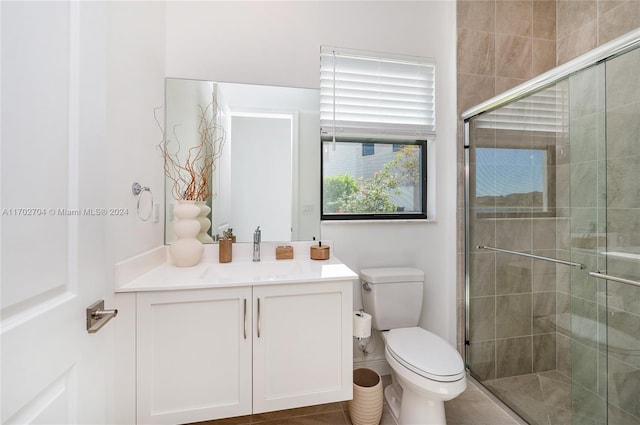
(193, 359)
(214, 353)
(302, 345)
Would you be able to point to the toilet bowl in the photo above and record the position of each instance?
(427, 371)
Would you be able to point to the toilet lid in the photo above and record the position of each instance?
(426, 354)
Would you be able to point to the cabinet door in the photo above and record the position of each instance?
(302, 345)
(194, 355)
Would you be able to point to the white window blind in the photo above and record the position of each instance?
(544, 111)
(365, 95)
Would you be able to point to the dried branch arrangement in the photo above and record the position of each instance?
(191, 177)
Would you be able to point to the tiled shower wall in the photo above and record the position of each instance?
(584, 25)
(502, 43)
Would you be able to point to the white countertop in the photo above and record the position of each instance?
(242, 271)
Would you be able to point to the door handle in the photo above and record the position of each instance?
(97, 316)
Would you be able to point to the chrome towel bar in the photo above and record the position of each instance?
(537, 257)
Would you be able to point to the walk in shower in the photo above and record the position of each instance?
(553, 242)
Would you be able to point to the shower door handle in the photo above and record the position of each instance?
(614, 278)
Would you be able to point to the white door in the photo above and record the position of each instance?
(53, 240)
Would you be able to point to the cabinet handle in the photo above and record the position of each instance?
(258, 317)
(245, 318)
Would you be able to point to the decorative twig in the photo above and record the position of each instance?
(191, 179)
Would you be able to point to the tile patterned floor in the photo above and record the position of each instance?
(472, 407)
(541, 398)
(549, 398)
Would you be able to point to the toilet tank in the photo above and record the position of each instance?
(392, 296)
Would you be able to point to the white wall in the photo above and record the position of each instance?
(279, 43)
(135, 87)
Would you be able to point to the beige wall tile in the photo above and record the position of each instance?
(514, 18)
(544, 55)
(476, 15)
(623, 128)
(572, 15)
(482, 317)
(503, 83)
(476, 52)
(513, 315)
(618, 21)
(513, 357)
(482, 359)
(577, 42)
(544, 352)
(563, 344)
(514, 234)
(544, 233)
(623, 87)
(544, 19)
(483, 273)
(474, 89)
(513, 56)
(606, 5)
(544, 311)
(544, 273)
(623, 190)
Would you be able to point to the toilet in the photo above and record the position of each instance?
(426, 370)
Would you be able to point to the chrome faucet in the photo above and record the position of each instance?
(256, 244)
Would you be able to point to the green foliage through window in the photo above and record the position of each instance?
(386, 183)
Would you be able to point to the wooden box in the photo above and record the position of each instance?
(284, 252)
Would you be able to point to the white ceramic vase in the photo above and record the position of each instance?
(205, 223)
(366, 406)
(186, 250)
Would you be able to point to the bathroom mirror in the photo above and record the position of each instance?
(268, 171)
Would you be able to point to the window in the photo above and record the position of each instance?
(368, 149)
(388, 184)
(376, 115)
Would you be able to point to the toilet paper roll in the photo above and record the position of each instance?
(361, 324)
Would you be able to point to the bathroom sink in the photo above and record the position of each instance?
(249, 271)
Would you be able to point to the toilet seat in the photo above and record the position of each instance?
(425, 354)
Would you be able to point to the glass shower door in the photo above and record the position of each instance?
(520, 257)
(622, 255)
(553, 248)
(582, 337)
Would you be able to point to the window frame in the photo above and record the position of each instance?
(377, 216)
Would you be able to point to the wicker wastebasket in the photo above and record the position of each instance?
(366, 406)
